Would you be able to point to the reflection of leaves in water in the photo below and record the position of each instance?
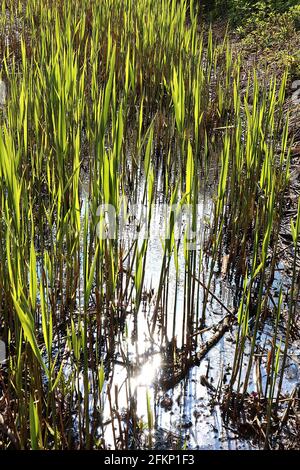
(167, 440)
(292, 371)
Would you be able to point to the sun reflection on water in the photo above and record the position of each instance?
(148, 372)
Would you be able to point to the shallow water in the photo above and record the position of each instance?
(186, 415)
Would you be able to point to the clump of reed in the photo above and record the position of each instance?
(101, 96)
